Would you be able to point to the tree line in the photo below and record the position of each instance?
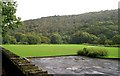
(56, 38)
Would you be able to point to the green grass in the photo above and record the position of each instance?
(54, 50)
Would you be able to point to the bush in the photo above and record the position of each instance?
(93, 52)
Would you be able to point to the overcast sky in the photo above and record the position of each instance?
(32, 9)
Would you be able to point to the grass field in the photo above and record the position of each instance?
(54, 50)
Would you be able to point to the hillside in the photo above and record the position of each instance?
(92, 23)
(63, 24)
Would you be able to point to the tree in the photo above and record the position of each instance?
(84, 37)
(93, 39)
(9, 19)
(31, 39)
(9, 40)
(102, 39)
(56, 38)
(116, 39)
(66, 39)
(21, 38)
(108, 42)
(44, 39)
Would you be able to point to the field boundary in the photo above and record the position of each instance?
(70, 55)
(50, 56)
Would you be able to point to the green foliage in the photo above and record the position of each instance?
(84, 37)
(0, 17)
(91, 28)
(66, 39)
(9, 40)
(20, 37)
(116, 39)
(31, 39)
(102, 39)
(94, 23)
(82, 52)
(9, 19)
(44, 39)
(108, 42)
(56, 38)
(0, 39)
(93, 52)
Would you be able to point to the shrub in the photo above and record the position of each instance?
(83, 52)
(93, 52)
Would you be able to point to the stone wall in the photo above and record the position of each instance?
(18, 66)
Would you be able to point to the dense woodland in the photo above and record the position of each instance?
(93, 28)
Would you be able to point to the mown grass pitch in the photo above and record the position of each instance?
(54, 50)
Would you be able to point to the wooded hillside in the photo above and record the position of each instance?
(93, 27)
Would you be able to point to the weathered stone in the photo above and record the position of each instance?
(24, 64)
